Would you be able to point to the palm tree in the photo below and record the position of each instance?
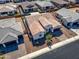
(48, 39)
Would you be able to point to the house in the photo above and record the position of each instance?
(60, 3)
(44, 5)
(67, 17)
(4, 1)
(28, 7)
(74, 1)
(51, 18)
(8, 35)
(10, 32)
(8, 9)
(18, 1)
(36, 29)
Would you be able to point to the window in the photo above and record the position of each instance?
(75, 24)
(26, 10)
(47, 7)
(30, 9)
(10, 12)
(40, 35)
(3, 13)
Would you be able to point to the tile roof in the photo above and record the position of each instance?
(44, 22)
(51, 19)
(60, 1)
(7, 7)
(9, 28)
(5, 32)
(27, 5)
(34, 25)
(44, 3)
(74, 1)
(69, 15)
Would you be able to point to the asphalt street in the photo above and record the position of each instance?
(70, 51)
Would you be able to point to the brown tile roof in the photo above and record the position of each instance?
(34, 25)
(51, 19)
(44, 21)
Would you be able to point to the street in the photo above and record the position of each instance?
(70, 51)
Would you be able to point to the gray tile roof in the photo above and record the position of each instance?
(8, 29)
(60, 1)
(67, 14)
(8, 38)
(26, 5)
(7, 7)
(4, 32)
(74, 1)
(44, 3)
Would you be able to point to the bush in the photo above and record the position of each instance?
(48, 37)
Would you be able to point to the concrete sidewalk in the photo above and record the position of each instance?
(45, 50)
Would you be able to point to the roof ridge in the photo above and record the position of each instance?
(8, 34)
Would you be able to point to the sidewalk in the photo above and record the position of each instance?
(45, 50)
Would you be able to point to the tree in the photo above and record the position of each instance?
(48, 39)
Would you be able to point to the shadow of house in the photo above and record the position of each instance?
(39, 42)
(10, 46)
(69, 18)
(20, 39)
(57, 33)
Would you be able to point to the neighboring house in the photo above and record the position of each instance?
(9, 32)
(8, 10)
(14, 1)
(28, 7)
(45, 23)
(8, 35)
(36, 29)
(60, 3)
(45, 5)
(74, 1)
(67, 17)
(4, 1)
(55, 24)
